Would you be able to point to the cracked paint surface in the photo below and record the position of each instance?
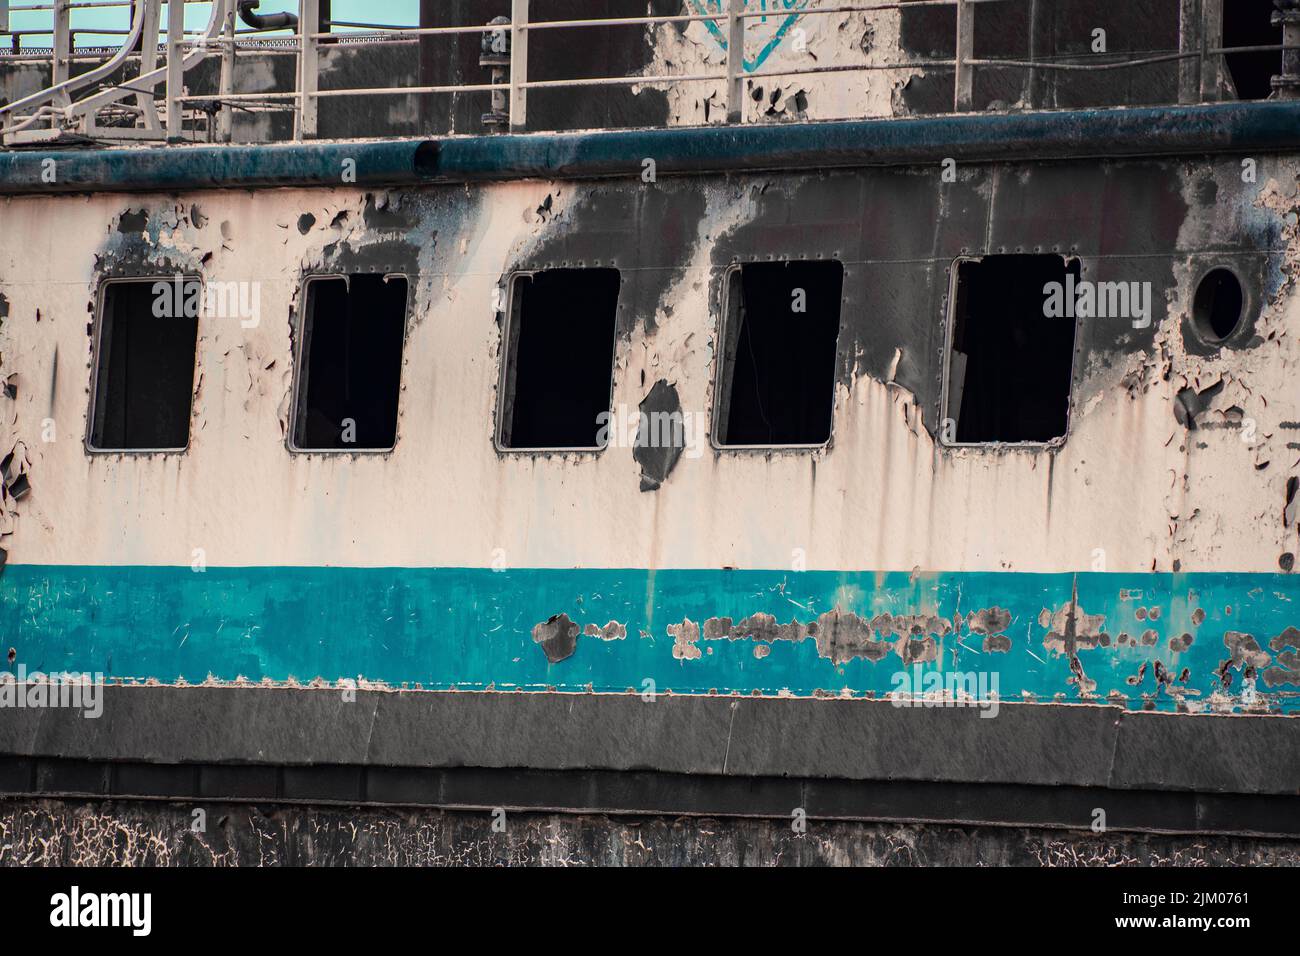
(122, 833)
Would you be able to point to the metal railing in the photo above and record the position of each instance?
(155, 104)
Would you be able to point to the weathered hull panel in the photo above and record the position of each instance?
(1142, 558)
(1188, 642)
(56, 833)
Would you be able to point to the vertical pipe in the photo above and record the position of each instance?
(308, 75)
(175, 72)
(963, 93)
(518, 65)
(227, 80)
(735, 60)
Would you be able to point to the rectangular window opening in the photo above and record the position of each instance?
(559, 367)
(144, 367)
(780, 331)
(350, 363)
(1010, 363)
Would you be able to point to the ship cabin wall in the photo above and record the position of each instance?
(1180, 457)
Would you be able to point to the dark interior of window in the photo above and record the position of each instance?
(351, 363)
(1010, 365)
(1247, 23)
(560, 360)
(145, 371)
(778, 381)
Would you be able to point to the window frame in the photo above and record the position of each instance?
(297, 392)
(510, 349)
(93, 408)
(726, 357)
(950, 322)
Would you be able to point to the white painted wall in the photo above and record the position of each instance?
(1129, 480)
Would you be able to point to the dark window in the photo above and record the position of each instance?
(350, 364)
(1010, 364)
(559, 368)
(778, 375)
(1249, 23)
(144, 372)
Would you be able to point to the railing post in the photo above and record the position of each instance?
(308, 75)
(227, 79)
(1211, 38)
(735, 61)
(149, 11)
(175, 68)
(1189, 41)
(62, 42)
(518, 65)
(964, 79)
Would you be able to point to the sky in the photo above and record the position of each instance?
(387, 12)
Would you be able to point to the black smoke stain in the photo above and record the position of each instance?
(660, 436)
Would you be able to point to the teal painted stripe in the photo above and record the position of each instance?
(471, 628)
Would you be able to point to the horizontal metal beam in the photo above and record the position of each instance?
(649, 793)
(1047, 745)
(128, 169)
(1063, 134)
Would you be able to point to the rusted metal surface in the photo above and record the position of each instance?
(59, 833)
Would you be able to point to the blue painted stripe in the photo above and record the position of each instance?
(471, 628)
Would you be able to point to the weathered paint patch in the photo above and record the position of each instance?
(1285, 646)
(558, 636)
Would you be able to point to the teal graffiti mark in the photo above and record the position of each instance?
(472, 628)
(774, 28)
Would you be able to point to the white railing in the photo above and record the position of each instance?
(54, 110)
(92, 105)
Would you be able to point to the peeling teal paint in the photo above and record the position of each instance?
(471, 628)
(782, 22)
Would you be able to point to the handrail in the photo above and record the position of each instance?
(306, 31)
(84, 79)
(144, 12)
(149, 80)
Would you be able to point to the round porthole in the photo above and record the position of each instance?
(1217, 307)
